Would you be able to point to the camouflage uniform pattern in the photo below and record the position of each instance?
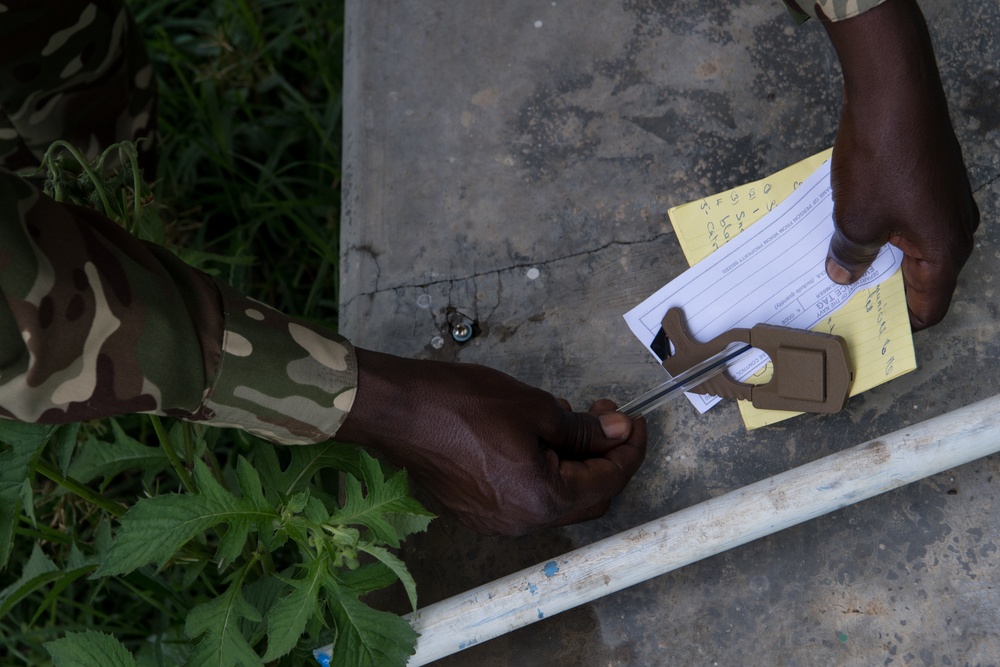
(829, 10)
(94, 322)
(73, 70)
(285, 380)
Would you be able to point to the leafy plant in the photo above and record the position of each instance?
(148, 542)
(244, 568)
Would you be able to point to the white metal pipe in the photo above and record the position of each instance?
(704, 530)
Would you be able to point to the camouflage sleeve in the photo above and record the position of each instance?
(829, 10)
(74, 70)
(95, 323)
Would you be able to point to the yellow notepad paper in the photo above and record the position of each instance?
(875, 322)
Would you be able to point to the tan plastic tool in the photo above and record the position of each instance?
(811, 370)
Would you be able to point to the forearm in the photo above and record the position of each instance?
(96, 323)
(388, 399)
(886, 54)
(898, 174)
(398, 398)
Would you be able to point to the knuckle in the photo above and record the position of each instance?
(847, 244)
(578, 432)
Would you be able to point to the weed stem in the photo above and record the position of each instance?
(185, 476)
(85, 492)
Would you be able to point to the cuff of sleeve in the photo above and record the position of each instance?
(283, 379)
(829, 10)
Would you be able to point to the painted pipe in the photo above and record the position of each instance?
(704, 530)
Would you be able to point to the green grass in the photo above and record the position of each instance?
(249, 150)
(247, 188)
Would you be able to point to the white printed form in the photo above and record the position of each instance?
(772, 272)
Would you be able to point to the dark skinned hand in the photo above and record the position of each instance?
(897, 172)
(503, 456)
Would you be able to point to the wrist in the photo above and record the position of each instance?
(886, 54)
(382, 400)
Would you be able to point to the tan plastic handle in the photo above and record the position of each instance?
(812, 372)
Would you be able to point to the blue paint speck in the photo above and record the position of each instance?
(550, 569)
(540, 614)
(533, 588)
(465, 645)
(323, 659)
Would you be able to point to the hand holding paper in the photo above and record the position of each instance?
(898, 170)
(774, 272)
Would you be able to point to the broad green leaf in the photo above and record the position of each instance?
(385, 496)
(249, 481)
(27, 496)
(316, 511)
(63, 444)
(20, 445)
(200, 436)
(367, 637)
(272, 540)
(89, 649)
(107, 459)
(102, 538)
(304, 462)
(367, 578)
(407, 524)
(37, 572)
(155, 528)
(398, 568)
(76, 559)
(231, 544)
(286, 620)
(217, 622)
(175, 434)
(263, 594)
(164, 649)
(297, 502)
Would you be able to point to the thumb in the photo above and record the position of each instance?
(582, 435)
(847, 260)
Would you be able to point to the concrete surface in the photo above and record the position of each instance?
(512, 161)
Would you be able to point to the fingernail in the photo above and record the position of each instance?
(615, 425)
(837, 273)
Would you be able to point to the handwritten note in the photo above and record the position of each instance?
(739, 286)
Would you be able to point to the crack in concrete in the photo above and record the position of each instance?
(987, 184)
(512, 267)
(524, 265)
(498, 301)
